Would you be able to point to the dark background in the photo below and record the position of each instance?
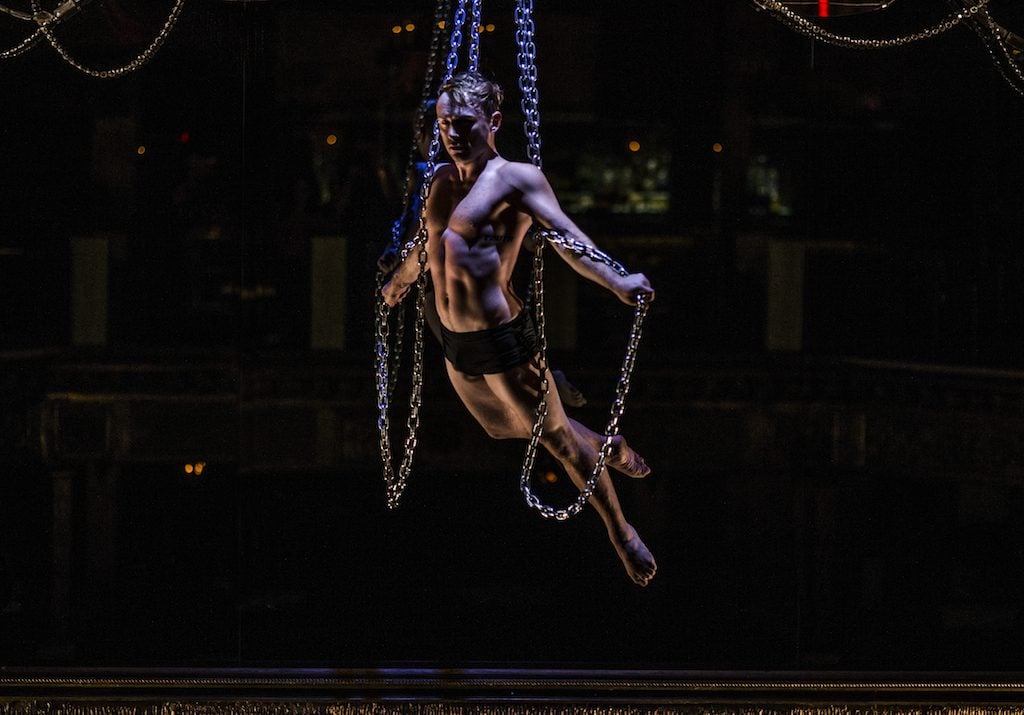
(844, 495)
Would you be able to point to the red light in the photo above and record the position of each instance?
(822, 8)
(184, 137)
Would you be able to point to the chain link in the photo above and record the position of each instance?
(526, 59)
(476, 31)
(452, 62)
(22, 46)
(817, 32)
(131, 66)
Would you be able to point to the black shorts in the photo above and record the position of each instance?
(493, 350)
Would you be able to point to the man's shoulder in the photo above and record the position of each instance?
(442, 177)
(443, 170)
(521, 172)
(520, 167)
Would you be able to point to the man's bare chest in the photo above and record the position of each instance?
(484, 203)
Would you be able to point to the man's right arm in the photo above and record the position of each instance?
(397, 287)
(540, 201)
(407, 272)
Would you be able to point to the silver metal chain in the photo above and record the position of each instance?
(476, 31)
(993, 37)
(817, 32)
(412, 175)
(621, 391)
(22, 46)
(527, 62)
(526, 59)
(131, 66)
(976, 16)
(395, 482)
(41, 18)
(455, 43)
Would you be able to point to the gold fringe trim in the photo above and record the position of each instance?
(49, 707)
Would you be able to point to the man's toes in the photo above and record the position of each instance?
(638, 467)
(643, 573)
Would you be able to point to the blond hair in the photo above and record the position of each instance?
(472, 89)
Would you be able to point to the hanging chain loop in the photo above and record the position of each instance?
(41, 18)
(395, 482)
(976, 16)
(817, 32)
(527, 62)
(144, 57)
(621, 391)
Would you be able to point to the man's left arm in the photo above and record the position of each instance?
(540, 201)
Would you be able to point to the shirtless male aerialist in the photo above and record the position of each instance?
(478, 212)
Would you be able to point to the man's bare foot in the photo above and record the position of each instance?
(623, 459)
(637, 559)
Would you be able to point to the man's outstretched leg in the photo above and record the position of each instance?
(574, 447)
(579, 457)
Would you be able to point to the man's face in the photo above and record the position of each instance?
(465, 131)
